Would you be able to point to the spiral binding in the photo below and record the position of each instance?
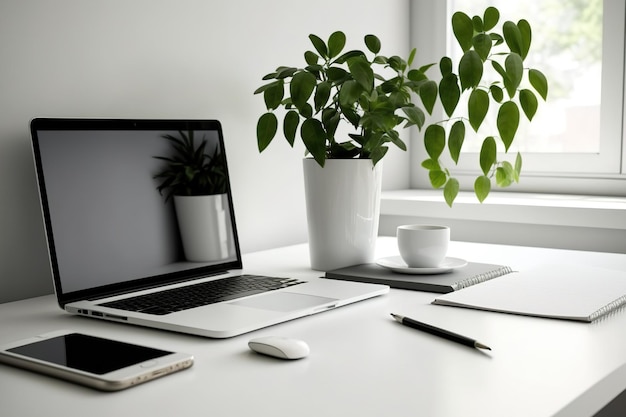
(608, 308)
(484, 277)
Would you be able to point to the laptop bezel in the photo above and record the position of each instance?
(86, 124)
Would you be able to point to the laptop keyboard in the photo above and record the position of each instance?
(196, 295)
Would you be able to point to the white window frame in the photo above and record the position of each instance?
(428, 34)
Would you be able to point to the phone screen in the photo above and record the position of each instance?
(88, 353)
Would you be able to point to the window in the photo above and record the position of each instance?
(576, 141)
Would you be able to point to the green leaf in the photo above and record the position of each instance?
(266, 130)
(449, 93)
(290, 126)
(349, 93)
(336, 74)
(322, 94)
(394, 137)
(496, 93)
(274, 95)
(477, 22)
(477, 105)
(508, 122)
(311, 58)
(431, 164)
(425, 68)
(314, 138)
(286, 72)
(455, 141)
(539, 82)
(470, 70)
(416, 75)
(502, 180)
(488, 153)
(362, 72)
(491, 17)
(497, 39)
(450, 191)
(463, 29)
(396, 99)
(445, 66)
(396, 63)
(518, 166)
(529, 104)
(482, 45)
(515, 71)
(306, 110)
(319, 45)
(437, 178)
(350, 54)
(269, 76)
(482, 186)
(505, 174)
(372, 43)
(500, 70)
(351, 115)
(336, 42)
(526, 37)
(428, 94)
(371, 142)
(301, 87)
(415, 115)
(411, 57)
(265, 87)
(512, 37)
(315, 70)
(330, 120)
(434, 141)
(378, 154)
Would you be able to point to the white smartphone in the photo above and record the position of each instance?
(104, 364)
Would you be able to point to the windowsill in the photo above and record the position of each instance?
(509, 207)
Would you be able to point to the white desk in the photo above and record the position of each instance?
(362, 363)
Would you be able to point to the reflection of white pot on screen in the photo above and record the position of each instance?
(203, 227)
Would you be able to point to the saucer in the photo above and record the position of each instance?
(396, 264)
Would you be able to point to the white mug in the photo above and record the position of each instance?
(423, 246)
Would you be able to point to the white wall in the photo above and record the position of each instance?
(166, 59)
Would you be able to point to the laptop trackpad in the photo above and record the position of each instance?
(284, 301)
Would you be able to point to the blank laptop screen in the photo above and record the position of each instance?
(106, 221)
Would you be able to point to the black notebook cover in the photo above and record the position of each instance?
(472, 273)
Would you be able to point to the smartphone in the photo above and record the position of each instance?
(97, 362)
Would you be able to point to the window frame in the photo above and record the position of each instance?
(429, 26)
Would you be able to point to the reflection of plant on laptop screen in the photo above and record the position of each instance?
(109, 218)
(195, 177)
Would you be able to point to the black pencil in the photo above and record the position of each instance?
(439, 332)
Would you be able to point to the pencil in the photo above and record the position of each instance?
(439, 332)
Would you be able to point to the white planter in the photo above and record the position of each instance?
(343, 207)
(203, 227)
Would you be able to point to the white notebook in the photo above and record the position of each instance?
(570, 292)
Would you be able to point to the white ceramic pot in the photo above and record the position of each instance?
(202, 224)
(343, 207)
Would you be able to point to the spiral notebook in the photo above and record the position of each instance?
(471, 274)
(570, 292)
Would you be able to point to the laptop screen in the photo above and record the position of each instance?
(109, 227)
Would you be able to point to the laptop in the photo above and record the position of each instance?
(115, 245)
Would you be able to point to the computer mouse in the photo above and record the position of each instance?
(280, 347)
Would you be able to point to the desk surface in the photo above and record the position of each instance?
(362, 363)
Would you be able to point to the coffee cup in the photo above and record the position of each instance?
(422, 245)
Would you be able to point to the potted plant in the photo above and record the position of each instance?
(490, 74)
(195, 178)
(373, 95)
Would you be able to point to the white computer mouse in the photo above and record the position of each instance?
(280, 347)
